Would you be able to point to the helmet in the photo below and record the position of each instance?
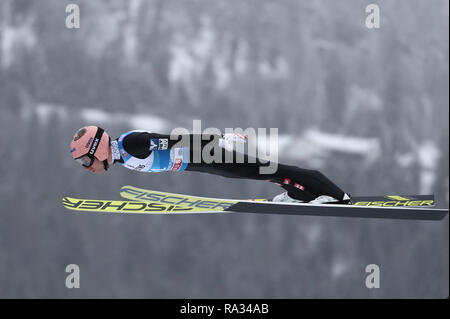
(88, 143)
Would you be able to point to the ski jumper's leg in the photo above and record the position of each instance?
(301, 184)
(305, 184)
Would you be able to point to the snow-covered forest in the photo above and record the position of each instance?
(368, 107)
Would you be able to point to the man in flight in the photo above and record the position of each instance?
(143, 151)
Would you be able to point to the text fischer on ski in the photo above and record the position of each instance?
(92, 147)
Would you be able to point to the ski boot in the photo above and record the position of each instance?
(323, 199)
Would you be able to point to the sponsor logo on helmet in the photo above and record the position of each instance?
(73, 150)
(89, 142)
(94, 146)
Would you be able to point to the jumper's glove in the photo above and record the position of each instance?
(228, 140)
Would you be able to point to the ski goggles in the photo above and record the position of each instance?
(86, 160)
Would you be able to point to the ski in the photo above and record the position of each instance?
(155, 202)
(248, 206)
(390, 206)
(140, 194)
(138, 207)
(329, 210)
